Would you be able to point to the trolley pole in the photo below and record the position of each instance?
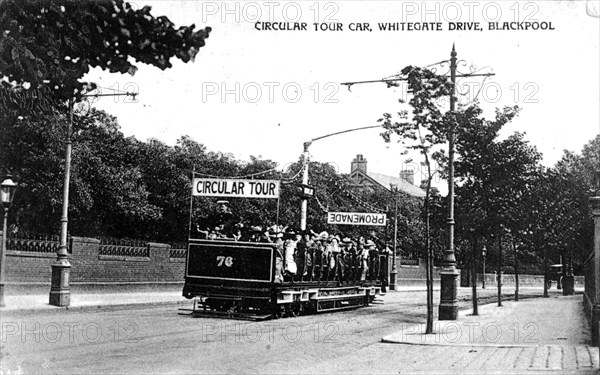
(305, 160)
(304, 205)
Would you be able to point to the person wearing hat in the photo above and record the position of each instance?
(373, 260)
(364, 257)
(302, 255)
(220, 222)
(270, 236)
(341, 261)
(333, 251)
(349, 258)
(318, 264)
(255, 234)
(309, 255)
(236, 232)
(290, 266)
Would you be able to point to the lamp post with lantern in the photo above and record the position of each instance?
(7, 193)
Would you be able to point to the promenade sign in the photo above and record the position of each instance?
(214, 187)
(356, 218)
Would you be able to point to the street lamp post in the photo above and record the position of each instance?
(394, 271)
(448, 309)
(483, 251)
(60, 293)
(7, 193)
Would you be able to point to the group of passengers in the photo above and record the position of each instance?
(310, 256)
(307, 255)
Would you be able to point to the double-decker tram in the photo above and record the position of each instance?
(272, 273)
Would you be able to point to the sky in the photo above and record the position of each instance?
(265, 92)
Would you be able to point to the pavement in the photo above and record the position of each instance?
(549, 335)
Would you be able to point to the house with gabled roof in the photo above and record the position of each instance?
(361, 177)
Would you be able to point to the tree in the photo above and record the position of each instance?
(53, 44)
(46, 48)
(425, 129)
(496, 177)
(558, 213)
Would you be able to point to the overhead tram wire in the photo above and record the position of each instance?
(390, 80)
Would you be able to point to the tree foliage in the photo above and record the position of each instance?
(122, 187)
(53, 44)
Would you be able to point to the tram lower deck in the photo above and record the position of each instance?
(239, 279)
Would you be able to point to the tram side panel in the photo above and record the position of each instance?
(229, 270)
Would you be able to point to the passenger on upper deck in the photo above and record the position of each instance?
(219, 224)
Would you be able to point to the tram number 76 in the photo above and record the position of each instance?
(222, 260)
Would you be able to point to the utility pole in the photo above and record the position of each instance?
(448, 309)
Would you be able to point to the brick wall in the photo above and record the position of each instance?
(524, 280)
(415, 272)
(88, 266)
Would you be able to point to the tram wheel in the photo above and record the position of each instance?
(295, 309)
(277, 312)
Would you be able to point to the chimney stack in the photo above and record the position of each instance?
(359, 163)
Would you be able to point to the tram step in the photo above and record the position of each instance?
(228, 315)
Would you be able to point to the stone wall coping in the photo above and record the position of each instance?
(31, 254)
(86, 239)
(123, 258)
(158, 244)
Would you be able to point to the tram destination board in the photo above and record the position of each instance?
(229, 260)
(230, 188)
